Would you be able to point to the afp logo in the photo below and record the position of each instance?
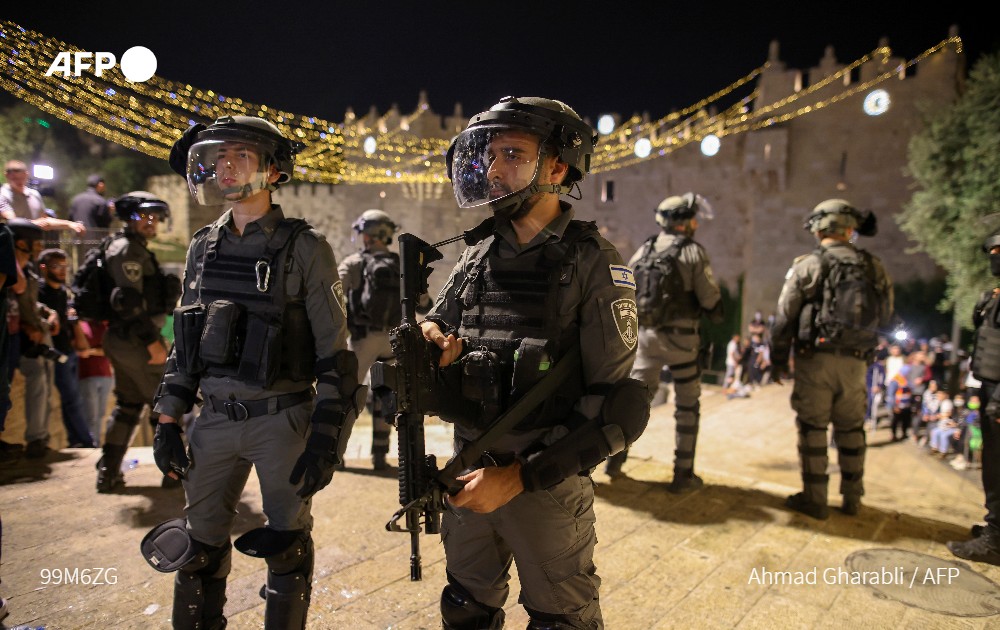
(138, 63)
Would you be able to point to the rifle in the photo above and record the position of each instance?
(408, 390)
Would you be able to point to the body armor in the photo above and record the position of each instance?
(510, 322)
(261, 331)
(986, 353)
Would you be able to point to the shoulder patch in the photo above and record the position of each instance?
(626, 317)
(622, 276)
(338, 295)
(132, 270)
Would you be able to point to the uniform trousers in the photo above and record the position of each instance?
(549, 534)
(680, 353)
(830, 389)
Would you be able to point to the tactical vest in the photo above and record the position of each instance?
(510, 309)
(250, 295)
(986, 352)
(157, 288)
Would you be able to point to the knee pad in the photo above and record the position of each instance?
(169, 547)
(284, 551)
(459, 611)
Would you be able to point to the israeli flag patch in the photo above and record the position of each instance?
(622, 276)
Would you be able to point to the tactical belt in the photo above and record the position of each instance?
(678, 330)
(240, 410)
(844, 352)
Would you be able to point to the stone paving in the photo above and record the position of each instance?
(727, 556)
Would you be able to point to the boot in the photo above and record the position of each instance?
(851, 505)
(800, 503)
(614, 466)
(685, 481)
(109, 468)
(983, 548)
(378, 461)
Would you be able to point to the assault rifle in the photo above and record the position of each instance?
(408, 390)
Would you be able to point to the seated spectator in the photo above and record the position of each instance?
(929, 405)
(947, 432)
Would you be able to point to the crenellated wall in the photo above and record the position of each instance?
(761, 184)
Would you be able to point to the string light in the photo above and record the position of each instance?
(148, 117)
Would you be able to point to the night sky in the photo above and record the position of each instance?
(597, 57)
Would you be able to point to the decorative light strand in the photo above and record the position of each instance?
(148, 117)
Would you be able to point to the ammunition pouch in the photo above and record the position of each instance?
(531, 363)
(220, 337)
(260, 358)
(189, 322)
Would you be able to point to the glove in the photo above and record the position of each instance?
(316, 466)
(179, 152)
(168, 449)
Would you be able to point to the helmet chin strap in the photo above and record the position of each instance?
(508, 207)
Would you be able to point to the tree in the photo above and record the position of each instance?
(956, 165)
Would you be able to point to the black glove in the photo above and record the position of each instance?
(168, 449)
(179, 152)
(316, 465)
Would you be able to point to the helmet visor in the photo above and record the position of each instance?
(220, 172)
(490, 163)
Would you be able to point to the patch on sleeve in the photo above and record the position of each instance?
(132, 271)
(622, 276)
(626, 317)
(338, 295)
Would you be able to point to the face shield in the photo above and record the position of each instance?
(220, 172)
(491, 163)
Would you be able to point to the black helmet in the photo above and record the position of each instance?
(257, 134)
(677, 210)
(558, 128)
(838, 214)
(25, 230)
(129, 207)
(993, 240)
(375, 223)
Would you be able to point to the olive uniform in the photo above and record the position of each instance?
(141, 298)
(676, 343)
(829, 382)
(549, 531)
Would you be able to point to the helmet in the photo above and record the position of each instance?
(993, 240)
(558, 128)
(376, 224)
(129, 207)
(835, 215)
(25, 230)
(675, 210)
(249, 147)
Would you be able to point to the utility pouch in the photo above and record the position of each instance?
(220, 336)
(807, 325)
(261, 356)
(531, 363)
(298, 356)
(481, 376)
(189, 322)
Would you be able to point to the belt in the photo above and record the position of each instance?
(844, 352)
(678, 330)
(240, 410)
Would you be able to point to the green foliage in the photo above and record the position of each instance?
(956, 166)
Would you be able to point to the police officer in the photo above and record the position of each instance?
(374, 310)
(140, 300)
(262, 336)
(674, 341)
(985, 543)
(539, 284)
(829, 367)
